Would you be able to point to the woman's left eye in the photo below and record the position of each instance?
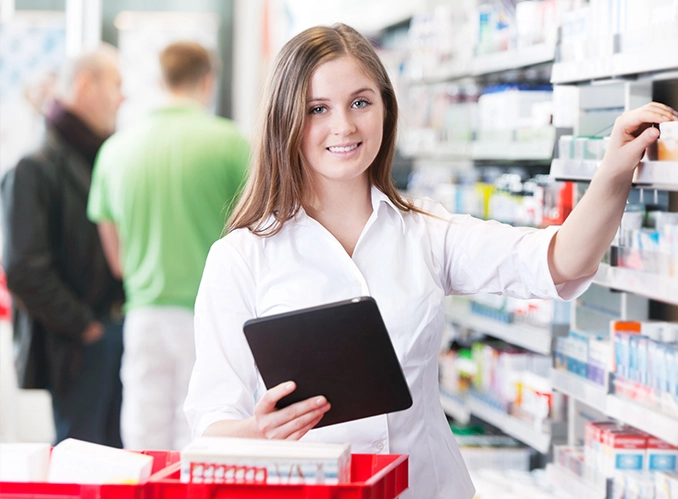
(360, 104)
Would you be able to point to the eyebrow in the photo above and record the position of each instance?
(357, 92)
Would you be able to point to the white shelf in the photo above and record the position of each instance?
(512, 59)
(455, 407)
(532, 338)
(517, 428)
(538, 150)
(447, 72)
(574, 486)
(449, 150)
(660, 174)
(579, 388)
(661, 58)
(572, 169)
(651, 174)
(643, 418)
(655, 286)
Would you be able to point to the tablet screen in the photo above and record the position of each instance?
(340, 350)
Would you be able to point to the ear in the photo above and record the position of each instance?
(82, 84)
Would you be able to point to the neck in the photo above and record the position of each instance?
(342, 209)
(186, 97)
(340, 198)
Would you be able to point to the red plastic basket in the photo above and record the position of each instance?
(373, 476)
(41, 490)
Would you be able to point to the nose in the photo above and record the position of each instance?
(342, 123)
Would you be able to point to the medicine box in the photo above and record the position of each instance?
(243, 460)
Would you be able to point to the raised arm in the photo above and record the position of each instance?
(579, 245)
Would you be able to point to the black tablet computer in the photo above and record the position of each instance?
(340, 350)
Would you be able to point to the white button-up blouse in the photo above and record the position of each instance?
(408, 262)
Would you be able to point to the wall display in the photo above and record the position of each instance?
(606, 373)
(33, 47)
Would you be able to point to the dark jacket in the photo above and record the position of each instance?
(55, 265)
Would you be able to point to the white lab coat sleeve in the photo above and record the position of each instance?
(480, 256)
(224, 381)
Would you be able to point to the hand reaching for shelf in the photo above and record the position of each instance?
(577, 248)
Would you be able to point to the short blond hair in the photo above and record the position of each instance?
(185, 63)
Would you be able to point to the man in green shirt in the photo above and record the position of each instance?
(161, 193)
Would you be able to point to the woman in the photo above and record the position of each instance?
(320, 221)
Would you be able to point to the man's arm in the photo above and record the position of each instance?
(108, 233)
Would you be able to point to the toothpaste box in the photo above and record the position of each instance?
(624, 450)
(660, 455)
(260, 461)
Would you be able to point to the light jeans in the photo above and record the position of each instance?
(158, 357)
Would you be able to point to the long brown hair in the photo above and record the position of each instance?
(273, 192)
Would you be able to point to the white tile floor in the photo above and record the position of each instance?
(25, 415)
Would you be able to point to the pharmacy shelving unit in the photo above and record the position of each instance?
(662, 57)
(535, 339)
(655, 286)
(643, 67)
(497, 62)
(660, 175)
(533, 55)
(644, 418)
(538, 437)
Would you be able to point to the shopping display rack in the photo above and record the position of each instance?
(373, 476)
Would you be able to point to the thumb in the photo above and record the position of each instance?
(271, 397)
(638, 145)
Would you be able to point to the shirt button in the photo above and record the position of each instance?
(379, 445)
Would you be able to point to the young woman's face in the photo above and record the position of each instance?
(344, 121)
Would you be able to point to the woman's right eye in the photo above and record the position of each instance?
(317, 110)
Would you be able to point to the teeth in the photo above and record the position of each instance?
(343, 149)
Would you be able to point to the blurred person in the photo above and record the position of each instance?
(160, 193)
(66, 303)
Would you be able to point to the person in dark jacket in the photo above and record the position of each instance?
(66, 302)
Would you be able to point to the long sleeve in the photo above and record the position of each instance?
(28, 214)
(480, 256)
(225, 382)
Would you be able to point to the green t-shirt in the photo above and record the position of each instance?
(168, 184)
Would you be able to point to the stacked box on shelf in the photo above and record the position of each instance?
(586, 354)
(646, 364)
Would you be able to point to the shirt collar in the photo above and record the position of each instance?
(379, 199)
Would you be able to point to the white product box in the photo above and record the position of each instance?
(625, 450)
(660, 456)
(245, 460)
(24, 462)
(75, 461)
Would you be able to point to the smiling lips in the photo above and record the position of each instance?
(344, 149)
